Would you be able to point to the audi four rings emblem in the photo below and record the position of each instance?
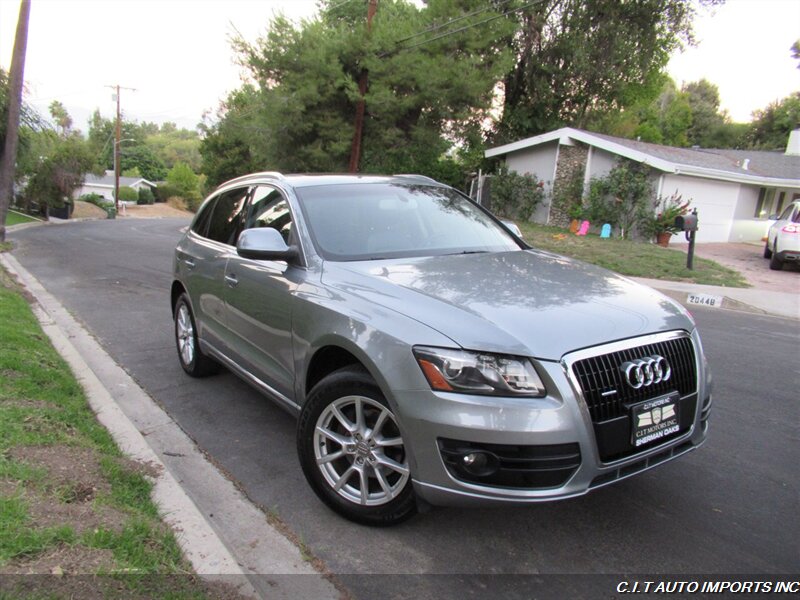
(646, 371)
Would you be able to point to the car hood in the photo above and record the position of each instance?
(526, 302)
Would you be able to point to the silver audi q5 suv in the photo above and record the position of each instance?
(430, 354)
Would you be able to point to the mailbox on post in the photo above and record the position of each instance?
(688, 224)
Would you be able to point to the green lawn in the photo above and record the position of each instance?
(636, 259)
(16, 218)
(66, 491)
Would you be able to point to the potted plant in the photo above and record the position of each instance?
(661, 225)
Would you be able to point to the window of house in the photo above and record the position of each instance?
(781, 198)
(762, 194)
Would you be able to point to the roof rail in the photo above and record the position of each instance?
(272, 174)
(415, 176)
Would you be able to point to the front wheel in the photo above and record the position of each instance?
(352, 452)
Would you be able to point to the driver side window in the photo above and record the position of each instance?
(270, 209)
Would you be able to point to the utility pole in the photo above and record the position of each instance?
(8, 154)
(117, 141)
(355, 152)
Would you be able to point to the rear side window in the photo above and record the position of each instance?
(226, 218)
(200, 224)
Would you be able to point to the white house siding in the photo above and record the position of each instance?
(714, 200)
(107, 193)
(539, 161)
(600, 163)
(747, 228)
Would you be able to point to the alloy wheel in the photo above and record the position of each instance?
(359, 451)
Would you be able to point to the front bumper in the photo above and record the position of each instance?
(557, 424)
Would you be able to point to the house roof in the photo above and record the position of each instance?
(763, 168)
(107, 180)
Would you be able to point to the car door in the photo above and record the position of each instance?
(203, 256)
(259, 296)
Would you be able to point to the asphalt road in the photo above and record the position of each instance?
(730, 507)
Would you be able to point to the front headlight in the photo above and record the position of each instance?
(478, 372)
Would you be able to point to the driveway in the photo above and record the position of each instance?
(748, 259)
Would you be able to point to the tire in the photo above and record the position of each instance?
(775, 263)
(192, 359)
(357, 465)
(767, 251)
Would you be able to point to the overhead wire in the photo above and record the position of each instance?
(453, 20)
(460, 29)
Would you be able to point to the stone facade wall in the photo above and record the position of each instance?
(571, 163)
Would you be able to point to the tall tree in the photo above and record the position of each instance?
(9, 155)
(60, 170)
(61, 117)
(707, 119)
(579, 57)
(771, 126)
(428, 86)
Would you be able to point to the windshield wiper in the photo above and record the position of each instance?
(467, 252)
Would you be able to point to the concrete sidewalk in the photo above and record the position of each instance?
(773, 292)
(754, 300)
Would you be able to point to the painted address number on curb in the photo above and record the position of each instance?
(705, 300)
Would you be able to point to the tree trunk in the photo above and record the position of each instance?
(8, 158)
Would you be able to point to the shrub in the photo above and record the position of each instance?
(516, 196)
(97, 200)
(128, 194)
(145, 196)
(622, 198)
(165, 191)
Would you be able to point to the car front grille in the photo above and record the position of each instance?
(609, 398)
(601, 375)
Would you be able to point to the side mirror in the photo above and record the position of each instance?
(265, 244)
(774, 217)
(512, 227)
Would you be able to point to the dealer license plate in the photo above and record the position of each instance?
(655, 419)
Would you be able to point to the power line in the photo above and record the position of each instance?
(460, 29)
(335, 6)
(451, 21)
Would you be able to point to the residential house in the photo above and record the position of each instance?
(734, 191)
(104, 185)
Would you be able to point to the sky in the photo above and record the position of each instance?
(177, 55)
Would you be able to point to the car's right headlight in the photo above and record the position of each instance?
(467, 372)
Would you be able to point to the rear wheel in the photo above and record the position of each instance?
(767, 251)
(192, 359)
(351, 450)
(776, 264)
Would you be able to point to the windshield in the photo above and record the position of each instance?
(368, 221)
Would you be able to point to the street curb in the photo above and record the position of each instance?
(201, 546)
(785, 305)
(727, 302)
(145, 433)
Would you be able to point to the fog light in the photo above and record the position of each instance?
(475, 460)
(480, 463)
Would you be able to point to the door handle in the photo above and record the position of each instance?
(189, 263)
(231, 280)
